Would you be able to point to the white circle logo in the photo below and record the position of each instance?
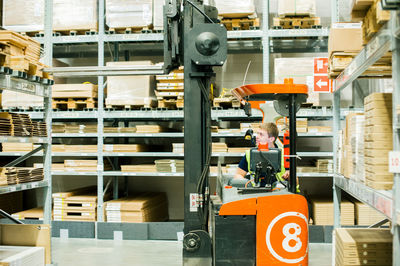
(291, 231)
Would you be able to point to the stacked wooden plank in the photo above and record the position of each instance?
(80, 165)
(19, 124)
(18, 175)
(169, 166)
(78, 148)
(245, 126)
(237, 149)
(325, 166)
(367, 216)
(3, 177)
(143, 207)
(150, 129)
(75, 205)
(81, 128)
(39, 129)
(378, 140)
(323, 212)
(169, 90)
(119, 129)
(301, 124)
(219, 147)
(124, 148)
(359, 246)
(140, 168)
(17, 147)
(74, 96)
(31, 214)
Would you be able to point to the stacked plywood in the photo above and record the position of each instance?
(378, 140)
(365, 215)
(169, 166)
(323, 212)
(31, 214)
(18, 175)
(140, 168)
(144, 207)
(130, 90)
(359, 246)
(170, 89)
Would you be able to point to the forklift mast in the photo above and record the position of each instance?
(194, 39)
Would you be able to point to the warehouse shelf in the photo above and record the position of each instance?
(117, 173)
(9, 82)
(381, 200)
(74, 135)
(73, 173)
(15, 139)
(314, 174)
(372, 52)
(24, 186)
(294, 33)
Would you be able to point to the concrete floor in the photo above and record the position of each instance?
(88, 252)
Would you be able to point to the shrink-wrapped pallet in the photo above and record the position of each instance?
(296, 8)
(289, 68)
(28, 15)
(130, 90)
(235, 8)
(11, 99)
(129, 13)
(158, 14)
(23, 15)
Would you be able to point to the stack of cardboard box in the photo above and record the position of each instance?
(360, 246)
(367, 216)
(378, 140)
(323, 212)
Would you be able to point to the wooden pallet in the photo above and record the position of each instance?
(171, 103)
(130, 30)
(131, 104)
(226, 103)
(75, 32)
(241, 23)
(296, 22)
(74, 103)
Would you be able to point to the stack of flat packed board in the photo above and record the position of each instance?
(58, 128)
(124, 148)
(365, 215)
(81, 165)
(238, 149)
(178, 148)
(22, 125)
(149, 129)
(119, 129)
(363, 246)
(83, 128)
(31, 214)
(170, 166)
(143, 207)
(245, 126)
(3, 177)
(74, 91)
(219, 147)
(77, 208)
(141, 168)
(18, 175)
(58, 148)
(378, 140)
(323, 212)
(39, 129)
(17, 147)
(169, 90)
(73, 205)
(325, 165)
(12, 176)
(80, 148)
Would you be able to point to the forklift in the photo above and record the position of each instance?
(239, 225)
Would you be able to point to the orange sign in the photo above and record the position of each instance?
(321, 84)
(321, 80)
(321, 65)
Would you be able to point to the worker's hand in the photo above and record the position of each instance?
(286, 175)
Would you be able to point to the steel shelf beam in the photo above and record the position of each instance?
(24, 186)
(14, 139)
(8, 82)
(293, 33)
(381, 200)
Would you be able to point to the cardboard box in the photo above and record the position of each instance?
(75, 15)
(34, 235)
(323, 212)
(366, 216)
(296, 8)
(339, 35)
(378, 96)
(158, 14)
(74, 91)
(235, 8)
(379, 129)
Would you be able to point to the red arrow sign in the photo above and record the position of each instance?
(321, 84)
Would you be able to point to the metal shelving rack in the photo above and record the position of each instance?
(265, 39)
(386, 202)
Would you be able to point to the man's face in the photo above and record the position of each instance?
(263, 137)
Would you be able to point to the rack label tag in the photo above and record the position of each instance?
(394, 162)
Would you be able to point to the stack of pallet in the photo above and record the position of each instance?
(39, 129)
(226, 100)
(18, 175)
(296, 15)
(378, 140)
(130, 91)
(341, 52)
(143, 207)
(169, 166)
(76, 205)
(323, 212)
(359, 246)
(74, 96)
(31, 214)
(140, 168)
(170, 89)
(367, 216)
(238, 15)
